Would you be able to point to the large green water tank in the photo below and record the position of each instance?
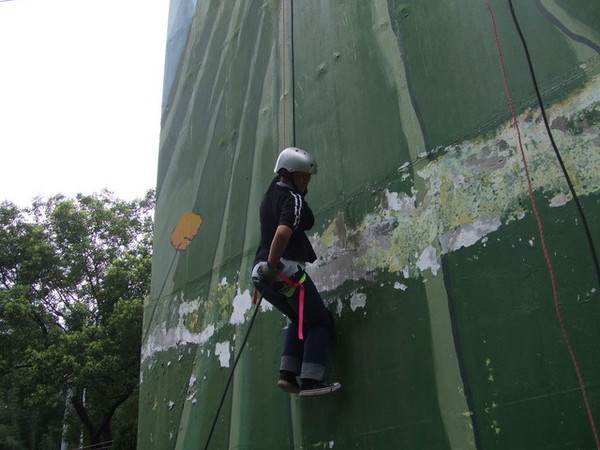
(452, 251)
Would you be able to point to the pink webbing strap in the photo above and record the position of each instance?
(301, 302)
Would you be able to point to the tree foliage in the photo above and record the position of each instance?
(73, 275)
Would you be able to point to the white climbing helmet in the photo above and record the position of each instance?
(294, 159)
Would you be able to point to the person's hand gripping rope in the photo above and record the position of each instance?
(268, 274)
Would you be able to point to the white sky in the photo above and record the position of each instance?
(80, 96)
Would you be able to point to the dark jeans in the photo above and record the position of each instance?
(303, 357)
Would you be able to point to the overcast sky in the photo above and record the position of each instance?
(80, 96)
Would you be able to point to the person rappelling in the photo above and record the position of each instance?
(279, 275)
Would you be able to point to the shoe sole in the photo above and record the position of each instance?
(320, 391)
(288, 387)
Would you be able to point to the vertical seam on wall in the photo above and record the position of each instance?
(468, 393)
(284, 93)
(292, 73)
(283, 74)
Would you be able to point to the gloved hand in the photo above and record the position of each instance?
(268, 274)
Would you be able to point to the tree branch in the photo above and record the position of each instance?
(14, 369)
(108, 414)
(83, 415)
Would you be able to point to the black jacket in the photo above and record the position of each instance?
(282, 205)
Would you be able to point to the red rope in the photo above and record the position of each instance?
(557, 305)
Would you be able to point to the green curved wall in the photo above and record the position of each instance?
(448, 334)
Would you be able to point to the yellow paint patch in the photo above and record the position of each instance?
(185, 230)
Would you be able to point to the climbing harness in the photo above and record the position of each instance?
(290, 292)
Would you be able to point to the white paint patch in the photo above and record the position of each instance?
(339, 307)
(400, 286)
(223, 352)
(241, 304)
(428, 260)
(191, 397)
(266, 306)
(559, 200)
(358, 300)
(469, 233)
(188, 307)
(161, 339)
(402, 204)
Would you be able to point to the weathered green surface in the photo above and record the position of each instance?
(448, 334)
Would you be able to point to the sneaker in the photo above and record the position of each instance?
(291, 387)
(320, 389)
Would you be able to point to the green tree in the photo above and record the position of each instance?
(73, 275)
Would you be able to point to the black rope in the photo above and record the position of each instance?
(554, 146)
(293, 95)
(237, 358)
(158, 297)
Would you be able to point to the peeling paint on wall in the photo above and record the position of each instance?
(241, 305)
(471, 189)
(223, 353)
(358, 300)
(165, 337)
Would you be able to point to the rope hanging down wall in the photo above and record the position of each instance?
(283, 42)
(536, 213)
(555, 147)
